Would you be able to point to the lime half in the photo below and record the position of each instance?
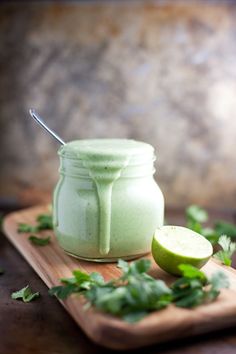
(174, 245)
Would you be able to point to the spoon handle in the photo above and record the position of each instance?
(40, 121)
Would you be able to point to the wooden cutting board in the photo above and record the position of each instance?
(51, 264)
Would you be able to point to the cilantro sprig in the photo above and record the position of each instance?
(25, 228)
(194, 288)
(130, 296)
(25, 294)
(196, 217)
(39, 241)
(44, 222)
(227, 250)
(135, 293)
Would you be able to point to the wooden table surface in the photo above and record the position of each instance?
(43, 326)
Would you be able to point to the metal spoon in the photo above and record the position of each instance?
(40, 121)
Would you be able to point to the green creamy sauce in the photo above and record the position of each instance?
(105, 160)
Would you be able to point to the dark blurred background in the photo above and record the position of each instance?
(163, 72)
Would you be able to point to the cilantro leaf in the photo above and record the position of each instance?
(123, 265)
(38, 241)
(195, 226)
(97, 278)
(110, 299)
(210, 234)
(228, 249)
(44, 222)
(188, 271)
(80, 276)
(226, 244)
(26, 228)
(95, 294)
(217, 281)
(195, 218)
(77, 284)
(62, 292)
(191, 299)
(196, 214)
(195, 289)
(86, 280)
(25, 294)
(223, 257)
(182, 288)
(68, 281)
(138, 267)
(225, 228)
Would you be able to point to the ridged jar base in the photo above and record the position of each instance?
(107, 260)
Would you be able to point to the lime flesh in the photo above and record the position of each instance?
(175, 245)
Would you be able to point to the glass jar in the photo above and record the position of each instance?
(107, 204)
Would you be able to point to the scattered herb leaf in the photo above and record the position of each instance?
(227, 251)
(38, 241)
(44, 222)
(27, 228)
(25, 294)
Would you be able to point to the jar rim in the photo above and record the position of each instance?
(110, 149)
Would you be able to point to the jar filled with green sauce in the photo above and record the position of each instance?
(107, 204)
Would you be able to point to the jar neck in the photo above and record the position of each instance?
(76, 168)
